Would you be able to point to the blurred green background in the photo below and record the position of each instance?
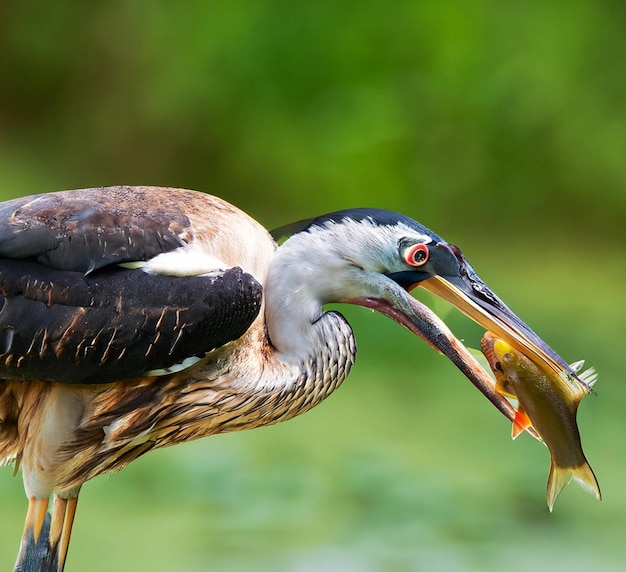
(501, 125)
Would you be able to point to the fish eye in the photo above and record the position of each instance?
(508, 358)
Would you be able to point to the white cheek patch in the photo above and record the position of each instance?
(185, 261)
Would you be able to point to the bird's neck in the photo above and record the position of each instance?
(308, 352)
(298, 382)
(299, 283)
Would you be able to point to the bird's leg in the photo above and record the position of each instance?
(32, 547)
(45, 541)
(35, 516)
(63, 512)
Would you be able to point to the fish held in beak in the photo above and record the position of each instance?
(547, 402)
(457, 283)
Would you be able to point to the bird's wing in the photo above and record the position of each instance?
(70, 313)
(87, 229)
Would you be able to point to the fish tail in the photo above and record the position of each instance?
(561, 476)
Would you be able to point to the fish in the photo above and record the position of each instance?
(548, 404)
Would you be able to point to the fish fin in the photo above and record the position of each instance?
(589, 376)
(503, 387)
(520, 423)
(557, 479)
(560, 476)
(579, 381)
(586, 478)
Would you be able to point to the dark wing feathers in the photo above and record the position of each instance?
(70, 314)
(88, 229)
(115, 323)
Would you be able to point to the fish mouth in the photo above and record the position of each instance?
(494, 349)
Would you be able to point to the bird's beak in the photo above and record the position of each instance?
(399, 305)
(458, 283)
(466, 291)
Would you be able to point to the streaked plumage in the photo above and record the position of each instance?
(135, 317)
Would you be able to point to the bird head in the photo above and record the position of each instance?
(374, 258)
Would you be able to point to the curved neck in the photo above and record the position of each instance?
(310, 351)
(297, 386)
(299, 282)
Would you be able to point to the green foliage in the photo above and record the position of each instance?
(468, 114)
(498, 124)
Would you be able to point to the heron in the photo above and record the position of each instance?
(134, 318)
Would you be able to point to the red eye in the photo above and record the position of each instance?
(416, 255)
